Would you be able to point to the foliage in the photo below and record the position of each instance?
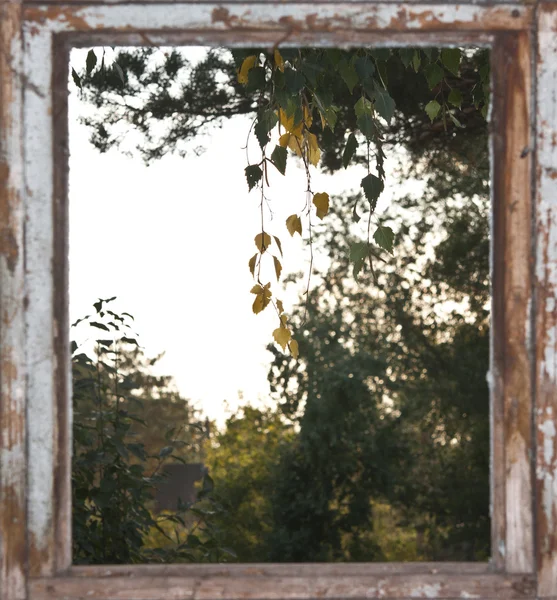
(406, 347)
(318, 100)
(242, 459)
(116, 460)
(383, 419)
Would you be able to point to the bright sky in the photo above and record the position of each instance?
(172, 241)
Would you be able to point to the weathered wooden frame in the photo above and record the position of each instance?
(35, 532)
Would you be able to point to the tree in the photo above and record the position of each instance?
(388, 406)
(242, 460)
(320, 100)
(117, 463)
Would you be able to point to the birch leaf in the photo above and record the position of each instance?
(252, 262)
(293, 346)
(279, 61)
(294, 224)
(282, 336)
(278, 267)
(246, 67)
(321, 201)
(314, 153)
(262, 297)
(262, 241)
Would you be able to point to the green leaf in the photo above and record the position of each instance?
(331, 117)
(348, 74)
(455, 98)
(256, 79)
(265, 124)
(364, 68)
(355, 214)
(382, 54)
(372, 186)
(384, 104)
(450, 57)
(76, 78)
(416, 61)
(91, 61)
(434, 75)
(349, 150)
(312, 71)
(294, 80)
(253, 175)
(365, 125)
(278, 157)
(362, 106)
(358, 255)
(455, 121)
(432, 109)
(406, 55)
(384, 238)
(119, 72)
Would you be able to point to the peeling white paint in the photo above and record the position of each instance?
(468, 595)
(344, 15)
(548, 430)
(518, 516)
(426, 591)
(549, 364)
(501, 548)
(39, 315)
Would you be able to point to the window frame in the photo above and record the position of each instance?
(35, 460)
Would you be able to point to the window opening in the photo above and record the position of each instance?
(372, 445)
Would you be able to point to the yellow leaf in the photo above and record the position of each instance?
(283, 319)
(252, 262)
(321, 202)
(293, 346)
(262, 241)
(294, 224)
(262, 297)
(278, 267)
(282, 336)
(286, 122)
(284, 139)
(323, 120)
(279, 61)
(295, 144)
(308, 119)
(246, 67)
(314, 153)
(278, 244)
(289, 125)
(280, 307)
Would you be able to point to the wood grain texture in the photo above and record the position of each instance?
(61, 314)
(12, 306)
(280, 587)
(546, 303)
(512, 301)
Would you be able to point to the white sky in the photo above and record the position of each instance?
(172, 241)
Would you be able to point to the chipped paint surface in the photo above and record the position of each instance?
(546, 318)
(281, 17)
(334, 23)
(40, 356)
(12, 294)
(426, 591)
